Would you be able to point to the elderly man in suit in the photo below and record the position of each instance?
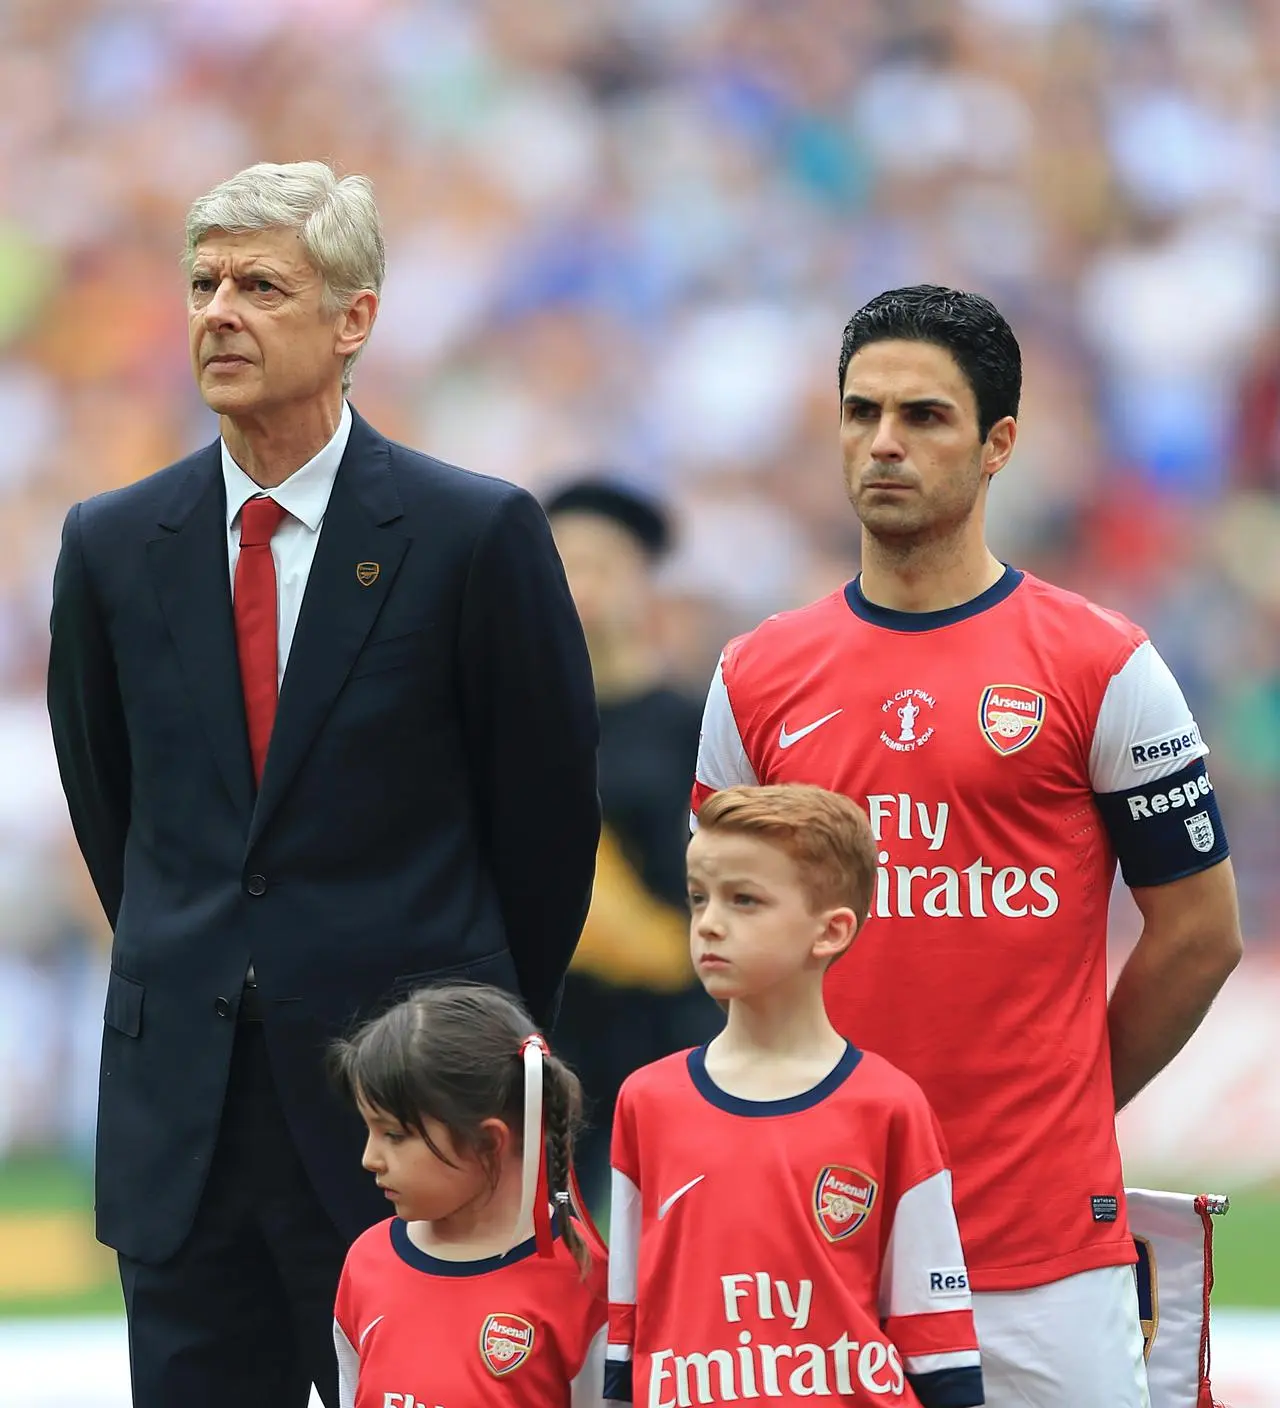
(324, 716)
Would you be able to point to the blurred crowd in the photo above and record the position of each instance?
(628, 236)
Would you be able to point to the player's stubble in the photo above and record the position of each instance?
(917, 525)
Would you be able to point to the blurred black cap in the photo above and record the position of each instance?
(643, 517)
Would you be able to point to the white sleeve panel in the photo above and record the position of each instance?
(924, 1268)
(722, 760)
(348, 1368)
(624, 1240)
(1145, 730)
(920, 1364)
(587, 1389)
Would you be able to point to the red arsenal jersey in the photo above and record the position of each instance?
(414, 1331)
(1006, 752)
(785, 1249)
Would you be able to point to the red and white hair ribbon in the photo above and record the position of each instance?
(535, 1197)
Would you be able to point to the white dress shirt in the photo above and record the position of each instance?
(305, 497)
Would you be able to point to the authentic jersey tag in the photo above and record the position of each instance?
(1105, 1208)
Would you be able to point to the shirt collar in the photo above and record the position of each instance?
(305, 494)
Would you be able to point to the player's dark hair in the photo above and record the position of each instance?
(453, 1053)
(971, 328)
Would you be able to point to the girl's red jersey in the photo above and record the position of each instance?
(414, 1331)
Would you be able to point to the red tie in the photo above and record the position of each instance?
(255, 606)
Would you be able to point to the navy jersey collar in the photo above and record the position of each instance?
(891, 620)
(793, 1104)
(414, 1256)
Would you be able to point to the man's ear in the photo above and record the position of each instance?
(355, 325)
(998, 446)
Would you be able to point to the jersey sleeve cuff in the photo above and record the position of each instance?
(617, 1375)
(960, 1387)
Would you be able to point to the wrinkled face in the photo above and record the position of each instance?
(419, 1183)
(751, 926)
(914, 466)
(608, 572)
(260, 338)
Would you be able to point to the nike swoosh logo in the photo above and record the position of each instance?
(365, 1332)
(666, 1207)
(785, 739)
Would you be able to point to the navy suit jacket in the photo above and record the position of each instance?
(428, 806)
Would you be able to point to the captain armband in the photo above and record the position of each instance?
(1167, 828)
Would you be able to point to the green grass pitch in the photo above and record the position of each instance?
(52, 1266)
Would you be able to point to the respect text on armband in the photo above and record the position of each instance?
(1144, 806)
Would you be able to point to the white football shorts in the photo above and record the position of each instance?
(1073, 1343)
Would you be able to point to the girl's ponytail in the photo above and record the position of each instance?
(563, 1097)
(552, 1119)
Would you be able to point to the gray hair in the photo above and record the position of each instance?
(336, 220)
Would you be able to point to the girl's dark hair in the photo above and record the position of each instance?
(452, 1054)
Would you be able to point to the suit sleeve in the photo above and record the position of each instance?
(531, 729)
(925, 1303)
(87, 718)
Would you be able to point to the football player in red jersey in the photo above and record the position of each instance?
(473, 1293)
(1011, 741)
(782, 1224)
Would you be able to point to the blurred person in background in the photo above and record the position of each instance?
(324, 718)
(1011, 741)
(631, 995)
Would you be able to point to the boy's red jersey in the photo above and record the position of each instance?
(1006, 752)
(787, 1249)
(414, 1331)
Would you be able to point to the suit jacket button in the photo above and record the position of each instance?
(256, 885)
(222, 1007)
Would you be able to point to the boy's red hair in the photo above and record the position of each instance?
(827, 836)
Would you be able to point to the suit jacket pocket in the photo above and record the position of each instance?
(124, 1004)
(390, 654)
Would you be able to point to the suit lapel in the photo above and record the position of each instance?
(192, 579)
(338, 609)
